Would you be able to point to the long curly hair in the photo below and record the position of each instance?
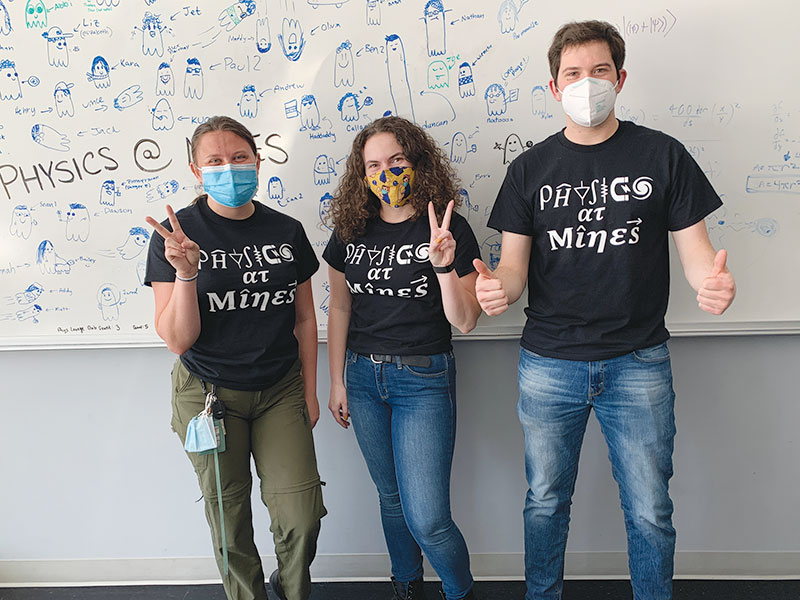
(435, 180)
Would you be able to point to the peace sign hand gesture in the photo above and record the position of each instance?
(442, 249)
(181, 252)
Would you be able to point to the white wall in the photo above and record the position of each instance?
(96, 486)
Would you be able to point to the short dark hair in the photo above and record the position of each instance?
(583, 32)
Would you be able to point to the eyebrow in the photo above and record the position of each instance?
(600, 64)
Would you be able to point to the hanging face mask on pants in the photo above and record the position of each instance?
(393, 186)
(588, 102)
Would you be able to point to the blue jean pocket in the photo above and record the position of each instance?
(437, 368)
(653, 354)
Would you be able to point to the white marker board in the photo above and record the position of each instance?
(98, 98)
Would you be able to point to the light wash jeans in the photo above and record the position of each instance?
(405, 423)
(633, 399)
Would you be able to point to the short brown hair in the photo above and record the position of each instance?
(579, 33)
(222, 123)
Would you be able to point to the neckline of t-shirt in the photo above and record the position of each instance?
(205, 209)
(623, 126)
(388, 225)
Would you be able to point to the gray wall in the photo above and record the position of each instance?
(92, 474)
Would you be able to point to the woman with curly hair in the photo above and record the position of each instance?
(398, 280)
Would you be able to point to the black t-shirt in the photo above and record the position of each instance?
(249, 273)
(599, 216)
(396, 299)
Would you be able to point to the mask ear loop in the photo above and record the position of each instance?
(223, 538)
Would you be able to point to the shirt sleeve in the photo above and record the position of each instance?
(512, 211)
(307, 261)
(334, 253)
(467, 247)
(158, 267)
(692, 197)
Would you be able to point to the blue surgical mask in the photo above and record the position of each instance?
(231, 185)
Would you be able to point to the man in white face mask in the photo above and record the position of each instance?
(585, 216)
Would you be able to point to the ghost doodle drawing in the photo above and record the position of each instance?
(163, 119)
(35, 15)
(438, 75)
(134, 244)
(21, 222)
(291, 39)
(5, 20)
(343, 71)
(100, 74)
(152, 40)
(459, 148)
(325, 210)
(109, 192)
(128, 97)
(495, 97)
(62, 99)
(77, 218)
(46, 136)
(275, 188)
(309, 113)
(10, 88)
(57, 47)
(248, 103)
(108, 301)
(193, 79)
(165, 80)
(435, 27)
(466, 86)
(399, 87)
(350, 107)
(508, 15)
(323, 169)
(373, 12)
(263, 42)
(49, 262)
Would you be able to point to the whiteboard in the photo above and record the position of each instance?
(98, 98)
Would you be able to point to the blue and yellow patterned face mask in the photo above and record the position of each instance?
(392, 186)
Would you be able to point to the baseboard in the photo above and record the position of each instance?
(367, 567)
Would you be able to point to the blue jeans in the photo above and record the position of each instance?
(633, 399)
(405, 423)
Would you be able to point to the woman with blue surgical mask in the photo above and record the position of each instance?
(232, 285)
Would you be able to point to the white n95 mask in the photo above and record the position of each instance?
(588, 102)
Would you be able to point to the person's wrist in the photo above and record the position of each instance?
(182, 276)
(443, 268)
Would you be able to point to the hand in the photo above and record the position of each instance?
(338, 405)
(181, 252)
(312, 407)
(719, 288)
(442, 249)
(489, 290)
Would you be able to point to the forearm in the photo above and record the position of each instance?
(306, 333)
(513, 282)
(338, 324)
(698, 265)
(178, 324)
(460, 306)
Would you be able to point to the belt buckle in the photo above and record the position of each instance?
(377, 362)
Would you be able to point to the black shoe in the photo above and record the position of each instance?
(413, 590)
(470, 595)
(275, 585)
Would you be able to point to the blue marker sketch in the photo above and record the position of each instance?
(128, 97)
(291, 39)
(343, 68)
(275, 188)
(62, 98)
(46, 136)
(248, 104)
(508, 15)
(193, 80)
(337, 3)
(492, 246)
(309, 113)
(57, 47)
(77, 218)
(100, 73)
(512, 147)
(152, 38)
(467, 207)
(438, 75)
(325, 210)
(30, 294)
(141, 271)
(324, 305)
(399, 87)
(719, 224)
(435, 28)
(350, 108)
(165, 80)
(466, 86)
(496, 101)
(539, 102)
(109, 192)
(35, 14)
(163, 119)
(49, 262)
(230, 17)
(163, 190)
(22, 222)
(134, 244)
(263, 42)
(29, 313)
(5, 19)
(373, 12)
(109, 3)
(323, 169)
(459, 148)
(10, 88)
(108, 301)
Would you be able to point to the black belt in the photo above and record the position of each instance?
(412, 360)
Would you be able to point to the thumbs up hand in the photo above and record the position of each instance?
(489, 290)
(718, 289)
